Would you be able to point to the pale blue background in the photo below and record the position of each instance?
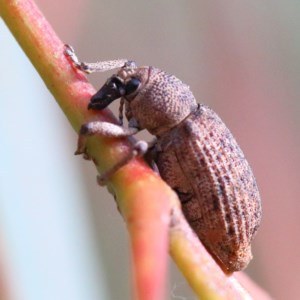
(44, 219)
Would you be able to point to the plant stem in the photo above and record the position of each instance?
(135, 184)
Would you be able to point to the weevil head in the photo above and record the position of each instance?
(153, 99)
(115, 87)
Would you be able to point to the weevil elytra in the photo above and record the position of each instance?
(194, 151)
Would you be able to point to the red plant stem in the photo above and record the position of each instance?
(148, 227)
(144, 199)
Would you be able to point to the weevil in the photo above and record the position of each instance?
(194, 151)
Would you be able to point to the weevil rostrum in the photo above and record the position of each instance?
(194, 151)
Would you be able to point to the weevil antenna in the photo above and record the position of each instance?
(101, 66)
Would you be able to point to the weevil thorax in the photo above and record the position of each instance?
(159, 103)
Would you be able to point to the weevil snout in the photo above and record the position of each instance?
(114, 88)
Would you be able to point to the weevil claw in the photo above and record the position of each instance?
(102, 180)
(140, 148)
(69, 52)
(86, 156)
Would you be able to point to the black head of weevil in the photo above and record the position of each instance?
(196, 155)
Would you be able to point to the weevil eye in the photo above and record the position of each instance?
(114, 83)
(132, 85)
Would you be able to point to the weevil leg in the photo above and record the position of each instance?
(101, 128)
(139, 149)
(69, 52)
(88, 68)
(151, 155)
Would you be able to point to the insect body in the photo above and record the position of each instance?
(195, 154)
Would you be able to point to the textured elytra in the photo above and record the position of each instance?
(202, 162)
(196, 155)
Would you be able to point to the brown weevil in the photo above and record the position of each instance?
(194, 151)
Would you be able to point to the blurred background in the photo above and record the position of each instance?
(61, 235)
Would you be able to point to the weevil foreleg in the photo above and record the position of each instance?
(101, 128)
(109, 130)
